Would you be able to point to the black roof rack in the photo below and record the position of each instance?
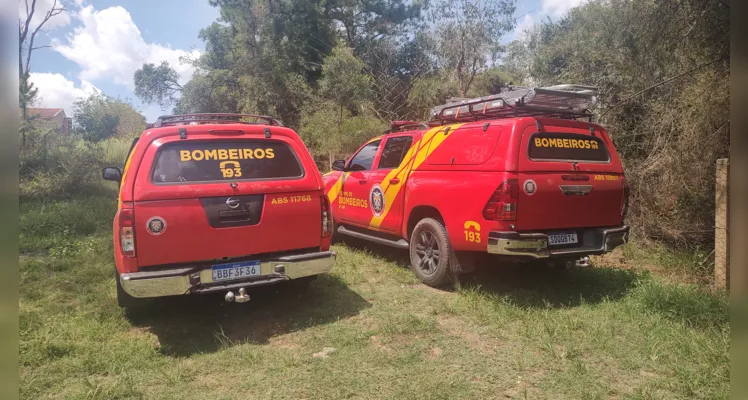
(399, 126)
(213, 118)
(561, 101)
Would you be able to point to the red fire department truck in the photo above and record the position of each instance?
(216, 203)
(522, 175)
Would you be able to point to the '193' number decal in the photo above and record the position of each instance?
(472, 232)
(230, 169)
(471, 236)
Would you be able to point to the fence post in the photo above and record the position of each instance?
(721, 226)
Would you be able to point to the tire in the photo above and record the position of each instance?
(431, 256)
(124, 300)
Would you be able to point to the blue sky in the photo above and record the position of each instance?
(98, 44)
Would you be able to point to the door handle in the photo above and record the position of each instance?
(395, 181)
(362, 181)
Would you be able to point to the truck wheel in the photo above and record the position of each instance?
(124, 300)
(431, 255)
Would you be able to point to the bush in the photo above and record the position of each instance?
(666, 91)
(330, 137)
(54, 166)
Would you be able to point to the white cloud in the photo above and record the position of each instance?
(108, 45)
(40, 10)
(556, 8)
(57, 91)
(550, 8)
(524, 25)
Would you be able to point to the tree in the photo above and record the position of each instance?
(157, 84)
(339, 118)
(26, 36)
(99, 117)
(395, 67)
(432, 90)
(467, 33)
(345, 82)
(27, 94)
(364, 22)
(662, 69)
(212, 92)
(324, 134)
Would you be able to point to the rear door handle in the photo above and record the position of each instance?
(395, 181)
(362, 181)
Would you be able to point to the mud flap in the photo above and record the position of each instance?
(463, 262)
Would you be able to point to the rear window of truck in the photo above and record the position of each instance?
(554, 146)
(215, 161)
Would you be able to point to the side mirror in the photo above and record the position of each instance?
(338, 165)
(111, 174)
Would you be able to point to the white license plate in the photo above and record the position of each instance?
(239, 270)
(563, 238)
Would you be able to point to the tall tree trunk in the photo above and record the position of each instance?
(340, 133)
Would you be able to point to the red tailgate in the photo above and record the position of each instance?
(568, 178)
(210, 198)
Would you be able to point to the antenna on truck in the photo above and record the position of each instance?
(567, 101)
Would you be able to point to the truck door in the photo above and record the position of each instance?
(387, 189)
(353, 206)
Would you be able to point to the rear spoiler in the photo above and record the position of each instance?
(194, 119)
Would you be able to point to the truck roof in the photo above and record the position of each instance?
(217, 123)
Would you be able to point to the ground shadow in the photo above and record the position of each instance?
(530, 286)
(206, 323)
(535, 286)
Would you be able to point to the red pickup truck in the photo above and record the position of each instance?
(517, 175)
(213, 203)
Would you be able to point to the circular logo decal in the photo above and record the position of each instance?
(530, 187)
(376, 200)
(155, 225)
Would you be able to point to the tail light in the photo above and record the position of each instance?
(502, 206)
(625, 202)
(326, 218)
(127, 232)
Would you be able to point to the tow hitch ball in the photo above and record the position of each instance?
(583, 262)
(242, 297)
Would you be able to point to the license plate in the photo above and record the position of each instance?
(562, 238)
(239, 270)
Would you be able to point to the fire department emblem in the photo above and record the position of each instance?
(530, 187)
(155, 225)
(376, 199)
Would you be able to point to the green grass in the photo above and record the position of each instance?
(504, 332)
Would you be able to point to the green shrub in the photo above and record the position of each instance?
(54, 166)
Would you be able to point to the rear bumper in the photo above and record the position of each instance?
(535, 245)
(180, 281)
